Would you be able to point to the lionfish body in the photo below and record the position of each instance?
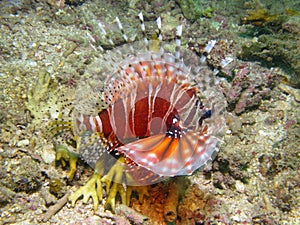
(157, 112)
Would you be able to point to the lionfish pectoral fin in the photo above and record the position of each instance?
(167, 156)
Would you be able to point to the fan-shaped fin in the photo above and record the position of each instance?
(167, 156)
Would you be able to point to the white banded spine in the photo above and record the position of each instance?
(141, 18)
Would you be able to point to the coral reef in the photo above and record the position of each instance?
(192, 10)
(276, 39)
(250, 85)
(255, 178)
(196, 205)
(280, 50)
(60, 4)
(260, 16)
(222, 56)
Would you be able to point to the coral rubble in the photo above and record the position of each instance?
(44, 52)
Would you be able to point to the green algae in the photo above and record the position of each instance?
(193, 10)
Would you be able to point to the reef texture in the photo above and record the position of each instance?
(44, 52)
(275, 33)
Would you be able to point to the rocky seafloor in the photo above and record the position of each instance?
(255, 179)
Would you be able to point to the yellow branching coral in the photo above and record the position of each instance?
(93, 188)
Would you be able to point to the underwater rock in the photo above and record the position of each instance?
(276, 50)
(24, 176)
(250, 85)
(192, 10)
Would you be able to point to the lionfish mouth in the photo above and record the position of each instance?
(160, 110)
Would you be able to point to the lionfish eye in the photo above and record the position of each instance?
(175, 119)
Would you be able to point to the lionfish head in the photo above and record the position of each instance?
(161, 110)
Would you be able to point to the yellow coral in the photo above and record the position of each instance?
(93, 188)
(258, 17)
(64, 155)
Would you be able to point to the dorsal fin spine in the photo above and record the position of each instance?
(103, 31)
(92, 42)
(141, 18)
(178, 42)
(121, 29)
(158, 22)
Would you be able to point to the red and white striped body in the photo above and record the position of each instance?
(154, 115)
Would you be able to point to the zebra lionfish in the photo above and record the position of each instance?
(159, 109)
